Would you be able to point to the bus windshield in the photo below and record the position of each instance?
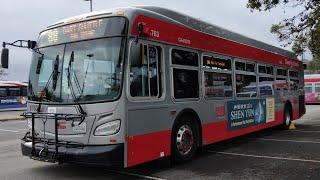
(89, 70)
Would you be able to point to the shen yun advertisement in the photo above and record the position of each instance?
(245, 113)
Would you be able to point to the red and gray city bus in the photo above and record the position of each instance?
(131, 85)
(312, 88)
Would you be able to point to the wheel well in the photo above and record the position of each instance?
(196, 119)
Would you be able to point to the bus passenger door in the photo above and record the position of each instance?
(148, 137)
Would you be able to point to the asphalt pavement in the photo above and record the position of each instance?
(268, 154)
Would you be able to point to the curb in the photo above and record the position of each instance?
(11, 118)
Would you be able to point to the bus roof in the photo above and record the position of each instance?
(182, 19)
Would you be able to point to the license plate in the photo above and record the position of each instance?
(82, 128)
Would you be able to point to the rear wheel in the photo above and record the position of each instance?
(287, 118)
(185, 140)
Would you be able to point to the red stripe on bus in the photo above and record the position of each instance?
(148, 147)
(312, 80)
(218, 131)
(151, 146)
(315, 101)
(166, 32)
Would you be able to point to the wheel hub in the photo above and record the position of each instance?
(184, 139)
(288, 118)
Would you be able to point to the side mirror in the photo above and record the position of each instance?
(39, 64)
(137, 55)
(32, 44)
(5, 58)
(140, 32)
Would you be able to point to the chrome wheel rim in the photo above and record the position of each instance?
(288, 119)
(184, 140)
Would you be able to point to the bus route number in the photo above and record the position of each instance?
(155, 33)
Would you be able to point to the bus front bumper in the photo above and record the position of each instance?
(104, 155)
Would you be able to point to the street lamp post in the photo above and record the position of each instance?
(90, 4)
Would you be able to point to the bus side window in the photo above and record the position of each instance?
(317, 88)
(14, 91)
(266, 86)
(185, 74)
(3, 92)
(266, 80)
(145, 74)
(282, 83)
(308, 87)
(24, 91)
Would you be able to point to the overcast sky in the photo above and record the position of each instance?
(24, 19)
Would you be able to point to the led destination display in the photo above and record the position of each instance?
(98, 28)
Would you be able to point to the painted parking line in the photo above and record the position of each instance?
(135, 175)
(304, 131)
(8, 130)
(286, 140)
(264, 157)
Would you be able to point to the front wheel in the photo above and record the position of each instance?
(185, 140)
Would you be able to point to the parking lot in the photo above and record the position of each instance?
(269, 154)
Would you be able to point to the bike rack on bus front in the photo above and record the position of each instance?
(48, 142)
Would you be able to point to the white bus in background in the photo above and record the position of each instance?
(13, 95)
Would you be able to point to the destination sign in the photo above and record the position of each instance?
(98, 28)
(216, 63)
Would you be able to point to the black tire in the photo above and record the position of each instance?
(184, 124)
(287, 118)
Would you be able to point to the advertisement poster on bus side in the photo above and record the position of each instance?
(245, 113)
(270, 110)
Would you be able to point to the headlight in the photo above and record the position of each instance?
(108, 128)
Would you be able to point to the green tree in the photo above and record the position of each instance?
(302, 31)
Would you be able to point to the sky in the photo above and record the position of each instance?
(24, 19)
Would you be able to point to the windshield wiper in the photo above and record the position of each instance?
(53, 77)
(70, 86)
(69, 74)
(85, 75)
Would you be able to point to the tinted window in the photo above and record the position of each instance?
(293, 74)
(218, 84)
(24, 91)
(3, 92)
(14, 92)
(186, 83)
(242, 66)
(265, 69)
(182, 57)
(269, 70)
(282, 72)
(246, 85)
(317, 87)
(250, 67)
(262, 69)
(216, 63)
(308, 89)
